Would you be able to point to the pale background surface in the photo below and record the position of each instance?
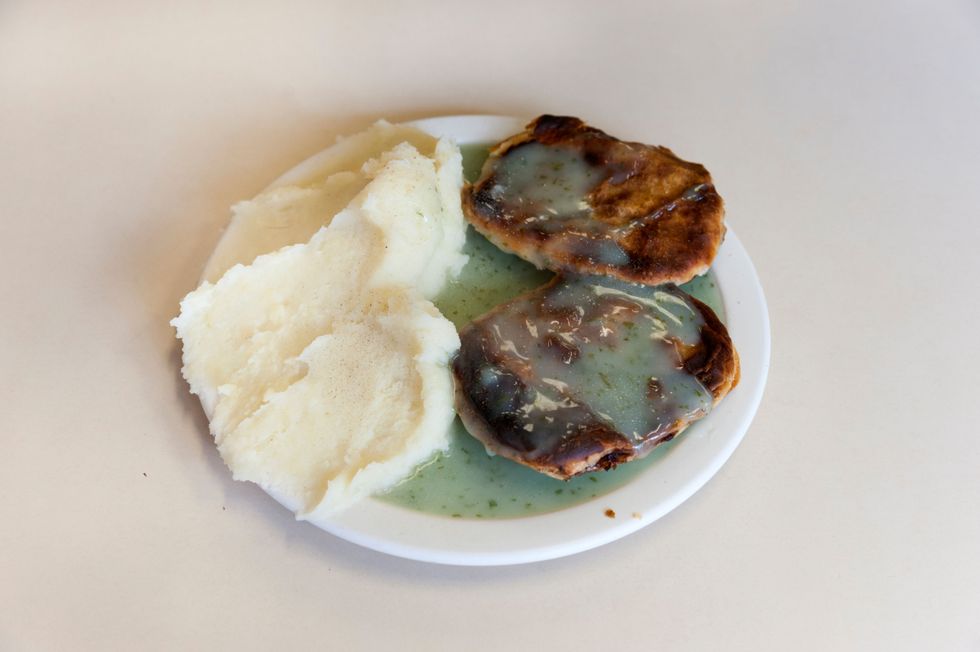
(845, 138)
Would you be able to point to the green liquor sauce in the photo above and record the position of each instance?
(466, 482)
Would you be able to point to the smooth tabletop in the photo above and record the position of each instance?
(845, 140)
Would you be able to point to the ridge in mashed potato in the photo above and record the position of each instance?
(316, 353)
(296, 205)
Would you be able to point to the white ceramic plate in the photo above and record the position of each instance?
(672, 479)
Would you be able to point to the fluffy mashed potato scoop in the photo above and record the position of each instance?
(323, 366)
(295, 206)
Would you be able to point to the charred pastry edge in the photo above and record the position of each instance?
(717, 368)
(604, 458)
(645, 266)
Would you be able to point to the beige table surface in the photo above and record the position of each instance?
(845, 138)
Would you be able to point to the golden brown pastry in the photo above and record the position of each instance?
(588, 372)
(569, 197)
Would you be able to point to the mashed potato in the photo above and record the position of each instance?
(322, 366)
(298, 204)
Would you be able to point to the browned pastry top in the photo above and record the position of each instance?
(569, 197)
(588, 372)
